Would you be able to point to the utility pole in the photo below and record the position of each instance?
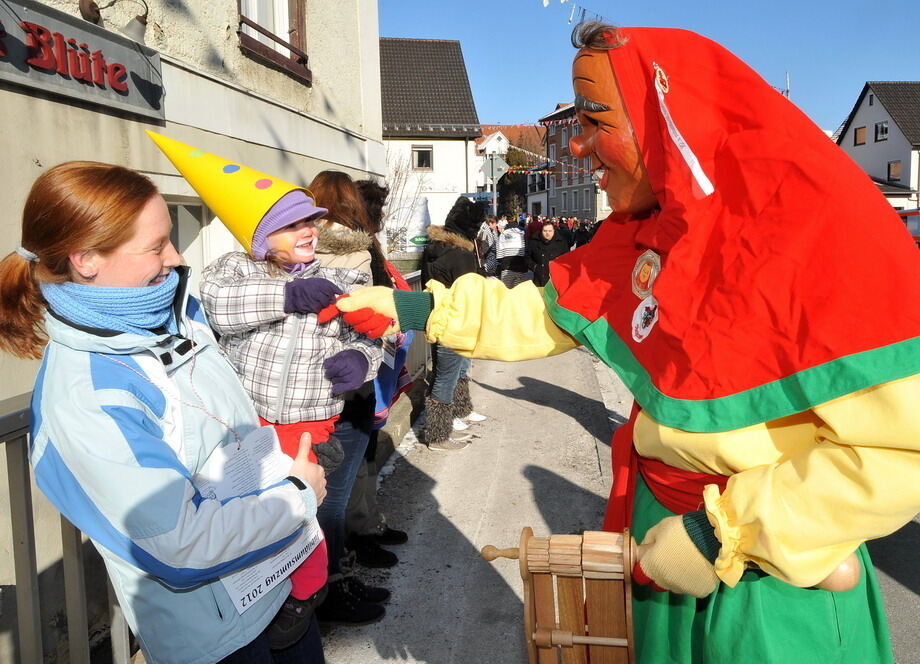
(492, 180)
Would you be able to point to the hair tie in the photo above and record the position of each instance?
(26, 254)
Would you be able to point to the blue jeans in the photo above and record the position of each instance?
(331, 513)
(448, 369)
(309, 650)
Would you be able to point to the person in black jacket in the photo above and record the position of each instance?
(548, 245)
(449, 255)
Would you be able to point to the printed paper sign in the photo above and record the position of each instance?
(236, 470)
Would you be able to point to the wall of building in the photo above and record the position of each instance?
(217, 99)
(454, 170)
(873, 156)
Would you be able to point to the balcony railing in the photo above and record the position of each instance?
(15, 419)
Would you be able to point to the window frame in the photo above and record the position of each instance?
(297, 63)
(856, 135)
(899, 166)
(881, 125)
(587, 203)
(419, 148)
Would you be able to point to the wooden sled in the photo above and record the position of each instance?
(577, 596)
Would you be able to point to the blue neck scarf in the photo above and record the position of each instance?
(138, 310)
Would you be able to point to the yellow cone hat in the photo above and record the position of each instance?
(239, 195)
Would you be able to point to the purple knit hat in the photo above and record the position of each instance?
(293, 206)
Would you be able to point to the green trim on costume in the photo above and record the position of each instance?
(779, 398)
(413, 309)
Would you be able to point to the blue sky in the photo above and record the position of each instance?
(518, 53)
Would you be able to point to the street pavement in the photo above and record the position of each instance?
(541, 460)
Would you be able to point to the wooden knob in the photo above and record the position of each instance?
(845, 577)
(490, 553)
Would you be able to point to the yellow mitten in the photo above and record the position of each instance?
(669, 558)
(379, 310)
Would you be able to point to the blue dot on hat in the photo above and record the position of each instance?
(231, 168)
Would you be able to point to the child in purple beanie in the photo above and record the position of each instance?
(263, 304)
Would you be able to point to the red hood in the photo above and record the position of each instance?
(772, 283)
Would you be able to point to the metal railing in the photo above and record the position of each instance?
(15, 418)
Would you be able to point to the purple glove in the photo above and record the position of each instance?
(309, 296)
(346, 370)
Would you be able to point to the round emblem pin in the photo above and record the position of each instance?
(648, 265)
(644, 318)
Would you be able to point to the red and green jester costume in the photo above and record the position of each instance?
(772, 343)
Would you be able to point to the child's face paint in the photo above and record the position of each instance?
(295, 243)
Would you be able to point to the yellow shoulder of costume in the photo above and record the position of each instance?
(481, 318)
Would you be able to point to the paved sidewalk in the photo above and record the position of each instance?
(541, 460)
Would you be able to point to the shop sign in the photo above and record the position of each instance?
(47, 49)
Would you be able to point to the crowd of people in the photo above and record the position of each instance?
(519, 249)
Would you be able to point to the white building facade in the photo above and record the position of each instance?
(882, 135)
(429, 128)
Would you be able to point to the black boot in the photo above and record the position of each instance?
(391, 536)
(370, 554)
(293, 620)
(364, 592)
(344, 608)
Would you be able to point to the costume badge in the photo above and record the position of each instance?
(644, 318)
(648, 265)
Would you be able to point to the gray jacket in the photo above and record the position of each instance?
(279, 356)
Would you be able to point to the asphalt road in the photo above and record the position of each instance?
(541, 460)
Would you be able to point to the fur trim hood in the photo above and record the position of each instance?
(440, 234)
(340, 240)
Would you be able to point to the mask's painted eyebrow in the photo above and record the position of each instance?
(589, 106)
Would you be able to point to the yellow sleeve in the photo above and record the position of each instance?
(800, 518)
(481, 318)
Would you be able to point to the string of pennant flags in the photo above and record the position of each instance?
(544, 159)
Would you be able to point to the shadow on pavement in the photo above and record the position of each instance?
(896, 555)
(566, 507)
(581, 408)
(448, 603)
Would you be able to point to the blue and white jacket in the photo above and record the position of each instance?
(120, 424)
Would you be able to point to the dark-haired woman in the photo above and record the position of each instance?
(345, 242)
(365, 524)
(132, 400)
(548, 245)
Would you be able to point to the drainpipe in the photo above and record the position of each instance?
(466, 163)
